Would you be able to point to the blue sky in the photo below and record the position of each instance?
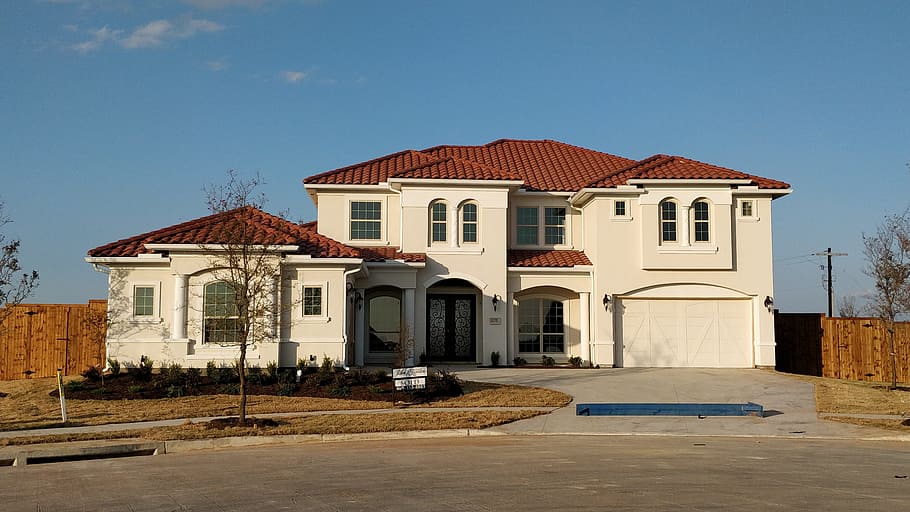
(115, 114)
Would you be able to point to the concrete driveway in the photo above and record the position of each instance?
(789, 403)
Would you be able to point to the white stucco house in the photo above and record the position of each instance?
(520, 247)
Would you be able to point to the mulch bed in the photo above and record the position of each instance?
(234, 421)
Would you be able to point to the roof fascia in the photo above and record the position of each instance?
(544, 193)
(585, 194)
(216, 247)
(395, 265)
(577, 269)
(775, 192)
(309, 260)
(330, 186)
(104, 260)
(448, 182)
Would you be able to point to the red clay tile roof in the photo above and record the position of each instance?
(457, 169)
(677, 167)
(544, 165)
(215, 229)
(547, 258)
(390, 253)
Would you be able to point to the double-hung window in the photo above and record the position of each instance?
(143, 301)
(668, 221)
(312, 301)
(554, 226)
(438, 223)
(701, 221)
(527, 226)
(366, 220)
(469, 223)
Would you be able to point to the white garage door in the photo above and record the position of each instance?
(699, 333)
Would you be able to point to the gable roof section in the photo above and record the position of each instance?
(547, 258)
(545, 165)
(450, 168)
(267, 229)
(676, 167)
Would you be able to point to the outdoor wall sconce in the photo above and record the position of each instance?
(607, 301)
(355, 296)
(496, 300)
(769, 302)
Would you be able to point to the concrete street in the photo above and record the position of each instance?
(490, 473)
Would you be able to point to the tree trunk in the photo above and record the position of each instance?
(242, 372)
(893, 361)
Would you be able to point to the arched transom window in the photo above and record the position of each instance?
(469, 223)
(701, 221)
(438, 221)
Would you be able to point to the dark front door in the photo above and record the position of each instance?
(450, 327)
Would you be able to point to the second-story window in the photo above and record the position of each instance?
(619, 208)
(554, 226)
(701, 221)
(366, 220)
(668, 221)
(438, 224)
(527, 226)
(469, 223)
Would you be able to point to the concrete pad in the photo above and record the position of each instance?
(789, 403)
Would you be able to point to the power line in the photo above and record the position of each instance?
(829, 254)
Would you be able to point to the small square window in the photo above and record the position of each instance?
(619, 208)
(312, 301)
(746, 208)
(143, 301)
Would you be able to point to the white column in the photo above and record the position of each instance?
(178, 329)
(453, 226)
(510, 329)
(683, 225)
(408, 313)
(584, 322)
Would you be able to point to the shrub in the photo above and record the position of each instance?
(286, 388)
(75, 385)
(114, 365)
(271, 372)
(173, 374)
(494, 358)
(340, 387)
(575, 361)
(446, 383)
(229, 389)
(135, 388)
(547, 360)
(222, 374)
(374, 389)
(193, 378)
(143, 371)
(302, 364)
(519, 361)
(254, 375)
(174, 391)
(326, 371)
(211, 368)
(380, 376)
(360, 376)
(92, 374)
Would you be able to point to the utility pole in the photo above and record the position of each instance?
(829, 254)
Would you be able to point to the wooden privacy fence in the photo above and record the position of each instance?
(842, 348)
(37, 339)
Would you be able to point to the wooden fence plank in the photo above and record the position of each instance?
(36, 339)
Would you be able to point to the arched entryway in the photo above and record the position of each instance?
(452, 311)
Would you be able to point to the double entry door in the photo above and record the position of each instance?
(451, 327)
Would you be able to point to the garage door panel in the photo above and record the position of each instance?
(680, 333)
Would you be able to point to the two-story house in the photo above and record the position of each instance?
(524, 248)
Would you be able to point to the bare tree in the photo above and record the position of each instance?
(14, 287)
(245, 260)
(848, 307)
(888, 264)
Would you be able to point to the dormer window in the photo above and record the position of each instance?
(439, 225)
(668, 221)
(701, 221)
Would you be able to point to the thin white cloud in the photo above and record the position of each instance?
(153, 34)
(223, 4)
(219, 64)
(98, 38)
(160, 32)
(293, 77)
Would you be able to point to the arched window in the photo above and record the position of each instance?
(469, 223)
(439, 226)
(701, 221)
(540, 326)
(668, 221)
(221, 317)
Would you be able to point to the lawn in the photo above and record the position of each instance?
(33, 404)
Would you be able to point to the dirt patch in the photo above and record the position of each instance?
(234, 421)
(895, 425)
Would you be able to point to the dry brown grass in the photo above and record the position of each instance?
(897, 425)
(319, 424)
(29, 404)
(854, 397)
